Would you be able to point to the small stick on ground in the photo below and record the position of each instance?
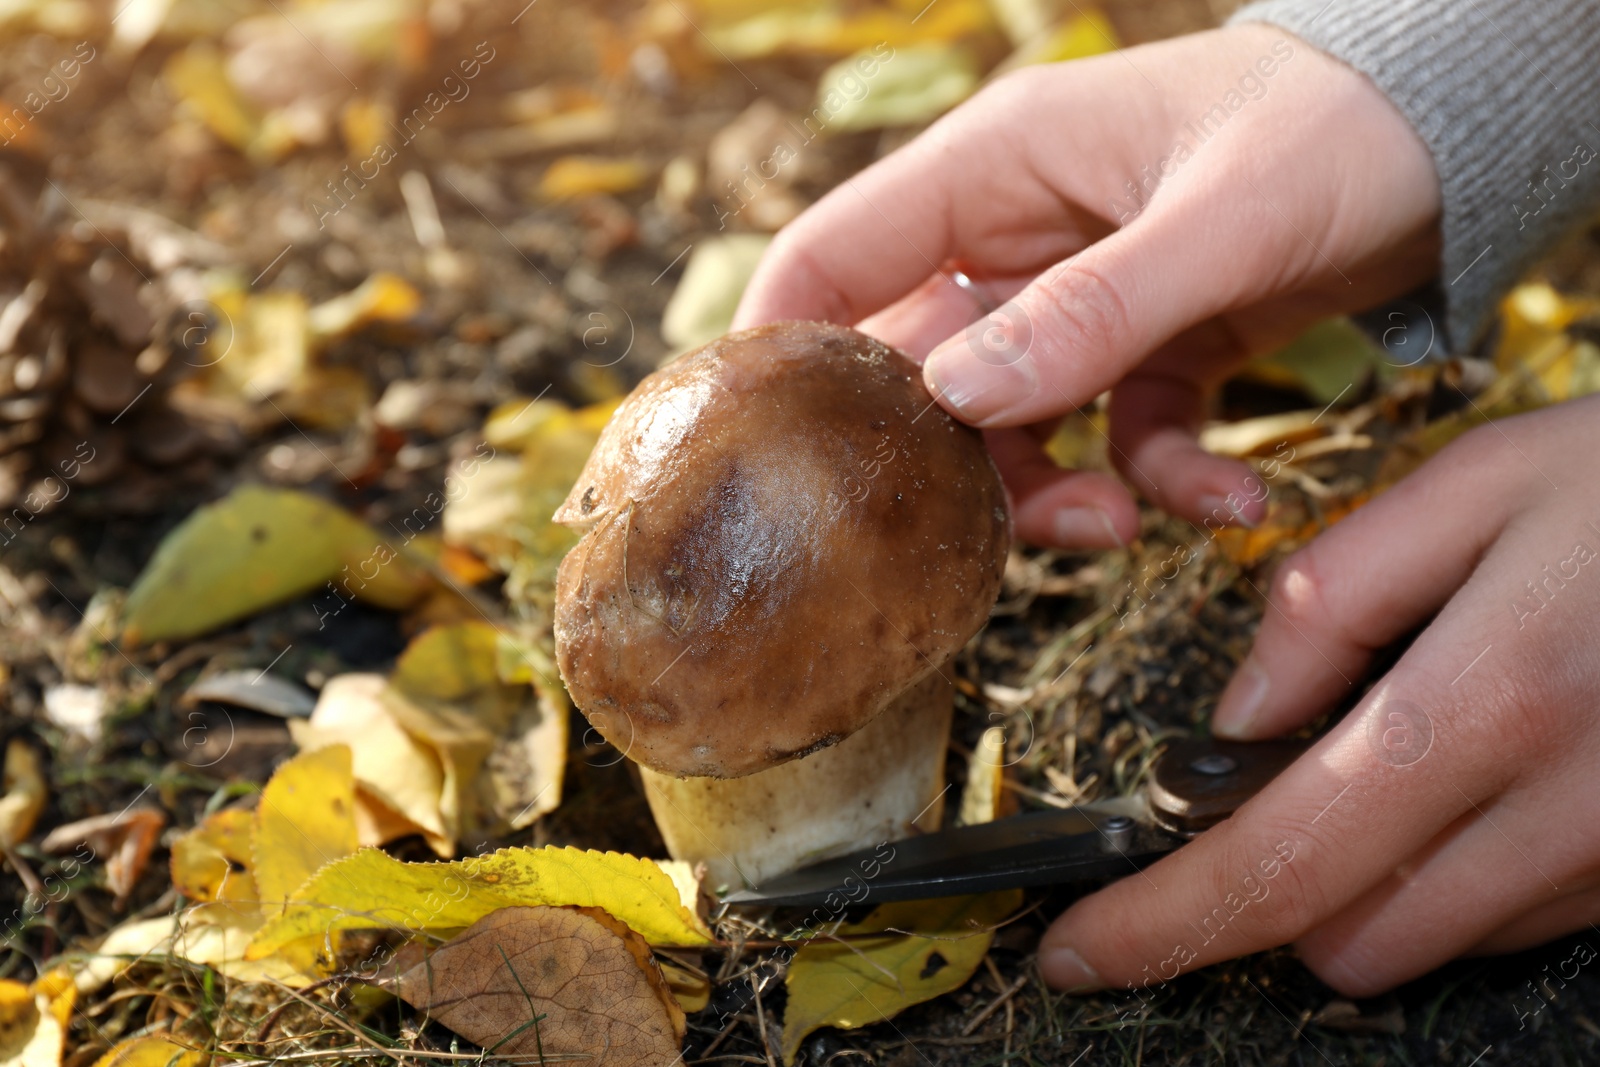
(995, 1005)
(761, 1025)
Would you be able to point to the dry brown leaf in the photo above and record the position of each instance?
(124, 839)
(24, 793)
(591, 983)
(761, 138)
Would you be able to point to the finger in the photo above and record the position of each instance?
(1156, 446)
(1088, 320)
(1263, 878)
(1366, 582)
(1548, 921)
(936, 310)
(1505, 858)
(1156, 413)
(879, 234)
(1479, 875)
(1061, 508)
(1316, 839)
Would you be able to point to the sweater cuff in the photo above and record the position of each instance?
(1506, 95)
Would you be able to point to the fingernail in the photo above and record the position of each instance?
(1218, 509)
(1068, 971)
(1240, 706)
(1077, 527)
(976, 388)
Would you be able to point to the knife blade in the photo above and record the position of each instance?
(1194, 785)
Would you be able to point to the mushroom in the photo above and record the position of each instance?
(784, 540)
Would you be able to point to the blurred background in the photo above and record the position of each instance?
(546, 196)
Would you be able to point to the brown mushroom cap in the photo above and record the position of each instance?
(783, 532)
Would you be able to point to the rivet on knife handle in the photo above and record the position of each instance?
(1199, 782)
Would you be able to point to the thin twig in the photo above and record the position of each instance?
(346, 1053)
(761, 1025)
(994, 1006)
(339, 1021)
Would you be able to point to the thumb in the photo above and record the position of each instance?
(1084, 323)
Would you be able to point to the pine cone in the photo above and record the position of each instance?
(91, 340)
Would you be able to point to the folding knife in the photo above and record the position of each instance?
(1194, 785)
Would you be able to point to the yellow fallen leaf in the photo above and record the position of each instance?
(691, 988)
(327, 398)
(305, 821)
(1533, 312)
(383, 297)
(198, 77)
(214, 862)
(829, 29)
(222, 946)
(392, 769)
(503, 511)
(1261, 435)
(1534, 342)
(984, 793)
(860, 982)
(19, 1019)
(702, 306)
(1284, 529)
(365, 124)
(241, 866)
(266, 340)
(572, 121)
(574, 176)
(459, 563)
(1086, 32)
(124, 946)
(23, 792)
(511, 426)
(502, 744)
(918, 85)
(258, 547)
(34, 1018)
(151, 1051)
(1079, 441)
(372, 890)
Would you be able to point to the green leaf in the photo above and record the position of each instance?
(702, 306)
(255, 548)
(918, 85)
(852, 983)
(1328, 359)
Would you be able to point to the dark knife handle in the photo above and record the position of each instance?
(1200, 781)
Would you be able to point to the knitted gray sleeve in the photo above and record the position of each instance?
(1506, 94)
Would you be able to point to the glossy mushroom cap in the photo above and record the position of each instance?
(782, 533)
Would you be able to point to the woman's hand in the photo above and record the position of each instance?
(1151, 218)
(1454, 809)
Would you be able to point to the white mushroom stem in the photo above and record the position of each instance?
(882, 783)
